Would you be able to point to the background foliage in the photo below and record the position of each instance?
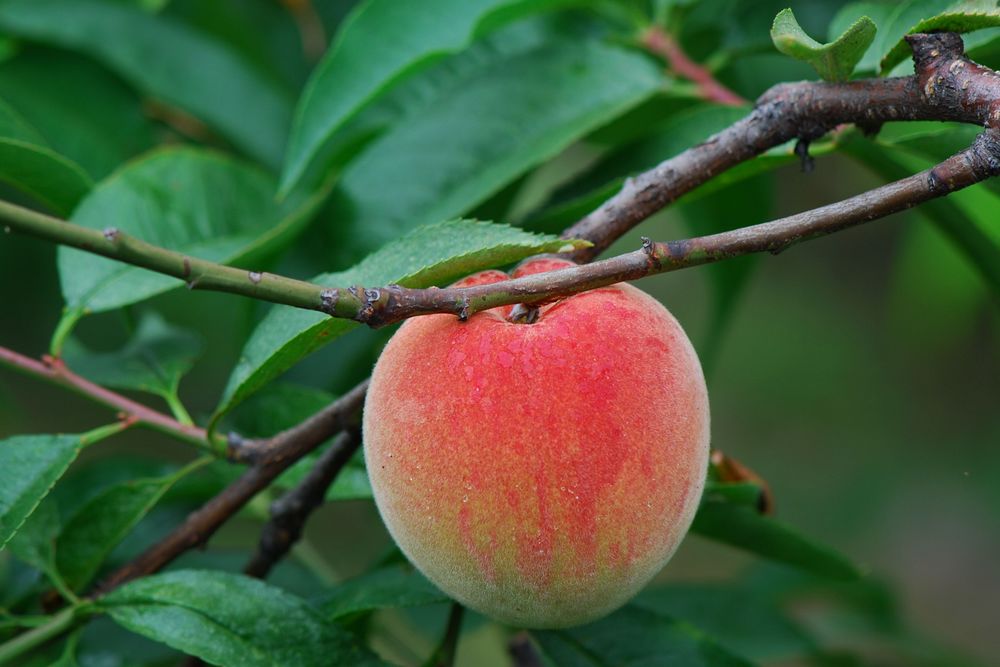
(857, 374)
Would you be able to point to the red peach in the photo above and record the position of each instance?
(540, 473)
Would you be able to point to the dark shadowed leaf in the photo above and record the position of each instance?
(834, 61)
(190, 200)
(153, 360)
(378, 45)
(29, 466)
(97, 527)
(27, 163)
(81, 110)
(431, 255)
(168, 60)
(743, 621)
(34, 542)
(393, 586)
(228, 619)
(634, 637)
(482, 134)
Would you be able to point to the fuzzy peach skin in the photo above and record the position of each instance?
(540, 473)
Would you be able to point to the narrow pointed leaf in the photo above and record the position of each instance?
(479, 136)
(742, 526)
(381, 43)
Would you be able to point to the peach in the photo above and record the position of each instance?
(540, 473)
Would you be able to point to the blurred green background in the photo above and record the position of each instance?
(859, 374)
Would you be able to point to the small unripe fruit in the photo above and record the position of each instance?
(540, 473)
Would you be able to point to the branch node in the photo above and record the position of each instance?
(928, 48)
(463, 309)
(328, 301)
(648, 247)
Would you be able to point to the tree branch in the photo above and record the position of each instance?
(196, 273)
(522, 651)
(980, 161)
(273, 457)
(947, 86)
(56, 371)
(290, 512)
(663, 44)
(444, 655)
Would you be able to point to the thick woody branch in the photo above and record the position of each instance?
(980, 161)
(273, 457)
(946, 86)
(290, 512)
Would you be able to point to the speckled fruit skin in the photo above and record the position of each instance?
(541, 473)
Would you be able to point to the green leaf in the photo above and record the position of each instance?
(388, 587)
(634, 637)
(153, 360)
(83, 112)
(934, 16)
(879, 12)
(742, 526)
(834, 61)
(35, 169)
(482, 134)
(190, 200)
(98, 526)
(431, 255)
(382, 42)
(167, 60)
(29, 467)
(743, 621)
(228, 619)
(34, 542)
